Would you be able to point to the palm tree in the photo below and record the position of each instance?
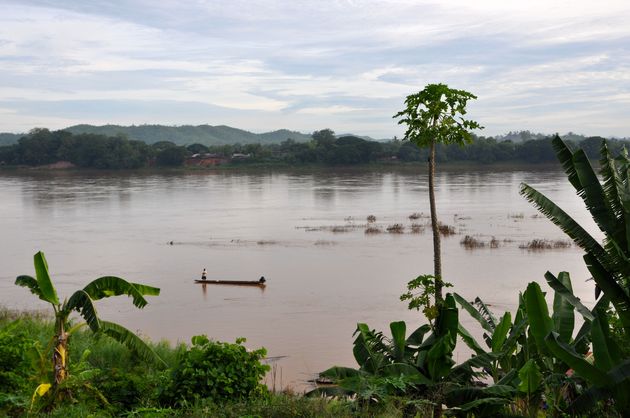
(82, 301)
(609, 205)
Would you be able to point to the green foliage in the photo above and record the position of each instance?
(82, 301)
(419, 293)
(15, 341)
(171, 156)
(609, 205)
(217, 371)
(432, 116)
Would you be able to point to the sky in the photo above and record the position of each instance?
(544, 66)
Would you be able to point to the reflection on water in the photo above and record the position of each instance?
(304, 231)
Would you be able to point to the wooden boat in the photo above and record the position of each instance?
(260, 282)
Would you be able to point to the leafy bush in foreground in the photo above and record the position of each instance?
(217, 371)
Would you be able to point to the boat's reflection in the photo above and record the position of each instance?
(204, 287)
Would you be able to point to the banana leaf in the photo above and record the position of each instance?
(593, 195)
(500, 333)
(611, 289)
(44, 283)
(82, 303)
(618, 386)
(417, 336)
(398, 329)
(483, 321)
(30, 283)
(108, 286)
(568, 225)
(540, 324)
(131, 341)
(565, 353)
(337, 373)
(611, 180)
(563, 316)
(530, 377)
(469, 340)
(564, 289)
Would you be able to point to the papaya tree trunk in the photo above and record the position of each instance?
(437, 256)
(60, 353)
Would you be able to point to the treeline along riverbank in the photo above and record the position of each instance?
(42, 147)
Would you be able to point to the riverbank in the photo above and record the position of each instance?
(299, 168)
(108, 380)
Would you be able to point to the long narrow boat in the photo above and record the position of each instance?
(260, 282)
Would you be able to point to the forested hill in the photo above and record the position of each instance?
(188, 134)
(8, 139)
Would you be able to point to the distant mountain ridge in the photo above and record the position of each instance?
(189, 134)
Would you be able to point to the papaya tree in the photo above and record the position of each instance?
(434, 116)
(82, 301)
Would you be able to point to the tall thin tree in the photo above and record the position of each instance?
(435, 115)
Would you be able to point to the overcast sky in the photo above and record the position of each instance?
(545, 66)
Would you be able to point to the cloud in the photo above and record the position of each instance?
(306, 65)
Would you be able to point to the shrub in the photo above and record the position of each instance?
(217, 371)
(396, 229)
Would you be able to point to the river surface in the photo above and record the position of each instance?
(304, 231)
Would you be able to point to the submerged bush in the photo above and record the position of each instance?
(217, 371)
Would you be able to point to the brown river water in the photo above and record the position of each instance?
(304, 231)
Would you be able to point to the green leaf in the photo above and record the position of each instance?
(500, 333)
(530, 377)
(485, 324)
(440, 358)
(31, 284)
(131, 341)
(48, 292)
(448, 321)
(568, 225)
(469, 340)
(540, 324)
(605, 350)
(563, 316)
(82, 303)
(618, 387)
(337, 373)
(565, 156)
(612, 181)
(369, 349)
(108, 286)
(398, 330)
(593, 195)
(564, 289)
(575, 361)
(611, 289)
(417, 336)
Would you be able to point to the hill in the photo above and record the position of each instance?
(8, 139)
(188, 134)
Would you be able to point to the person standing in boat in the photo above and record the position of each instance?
(204, 274)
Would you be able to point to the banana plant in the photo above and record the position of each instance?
(607, 377)
(504, 339)
(83, 302)
(609, 205)
(415, 366)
